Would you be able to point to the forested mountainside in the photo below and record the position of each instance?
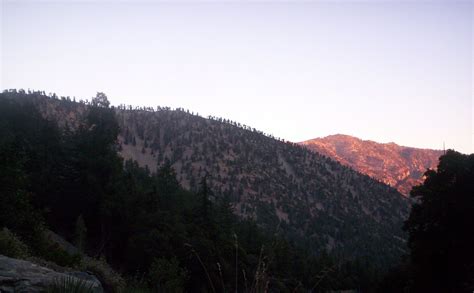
(398, 166)
(61, 169)
(315, 201)
(281, 185)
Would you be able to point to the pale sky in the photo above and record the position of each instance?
(387, 71)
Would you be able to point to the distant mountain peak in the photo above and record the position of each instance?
(398, 166)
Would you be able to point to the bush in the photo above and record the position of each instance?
(110, 279)
(167, 275)
(12, 246)
(54, 253)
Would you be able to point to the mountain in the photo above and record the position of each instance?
(287, 189)
(282, 185)
(398, 166)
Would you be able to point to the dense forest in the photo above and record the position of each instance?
(143, 228)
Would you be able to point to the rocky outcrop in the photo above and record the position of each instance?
(398, 166)
(24, 276)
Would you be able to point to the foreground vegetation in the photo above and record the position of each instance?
(440, 228)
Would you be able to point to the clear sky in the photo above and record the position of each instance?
(396, 71)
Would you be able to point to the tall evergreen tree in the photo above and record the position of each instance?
(441, 226)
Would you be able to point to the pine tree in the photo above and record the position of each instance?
(441, 226)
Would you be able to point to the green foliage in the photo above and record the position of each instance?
(167, 275)
(70, 285)
(54, 253)
(22, 131)
(109, 278)
(12, 246)
(441, 226)
(100, 100)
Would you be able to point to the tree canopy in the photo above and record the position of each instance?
(441, 227)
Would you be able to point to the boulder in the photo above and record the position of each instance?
(24, 276)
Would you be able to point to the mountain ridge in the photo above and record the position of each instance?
(399, 166)
(342, 135)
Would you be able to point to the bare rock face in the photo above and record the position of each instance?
(398, 166)
(24, 276)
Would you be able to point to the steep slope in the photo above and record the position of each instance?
(398, 166)
(312, 199)
(280, 184)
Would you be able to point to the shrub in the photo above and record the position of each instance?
(54, 253)
(110, 279)
(11, 245)
(167, 275)
(70, 285)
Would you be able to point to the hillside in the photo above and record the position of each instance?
(398, 166)
(313, 200)
(280, 184)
